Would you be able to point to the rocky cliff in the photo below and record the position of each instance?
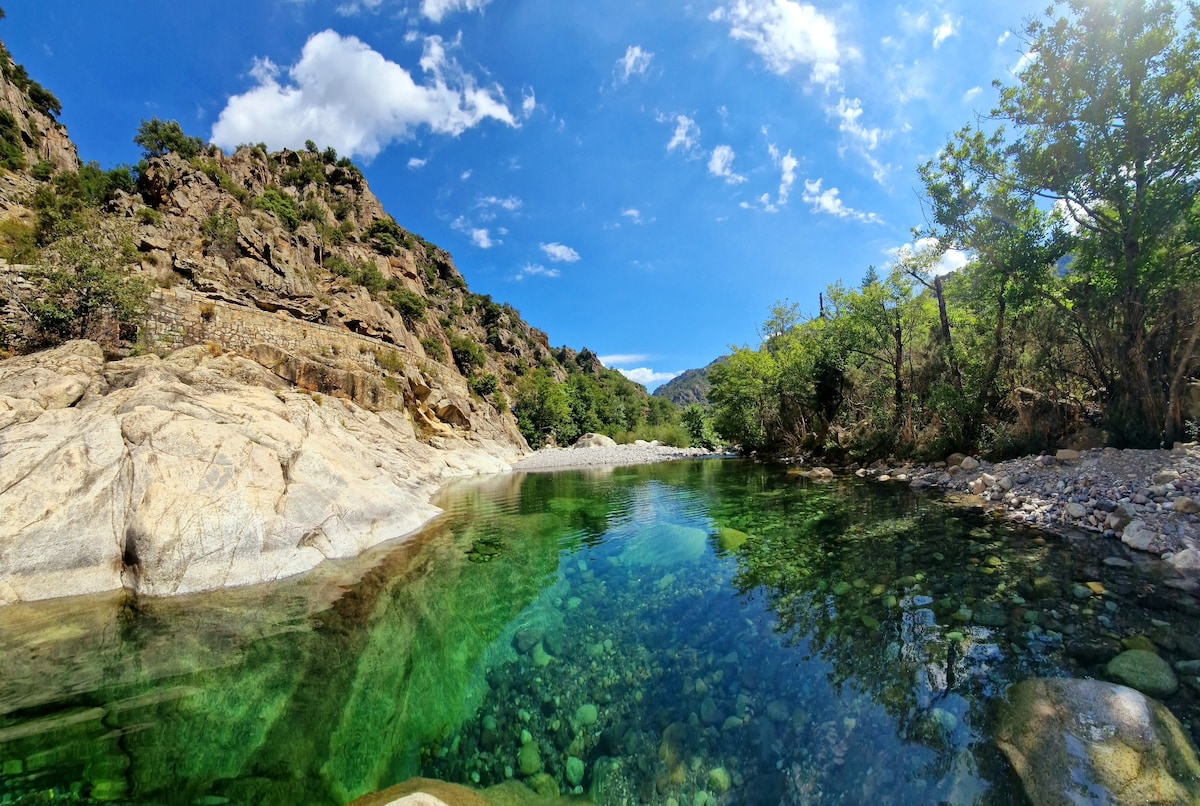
(300, 375)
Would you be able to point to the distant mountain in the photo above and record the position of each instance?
(688, 388)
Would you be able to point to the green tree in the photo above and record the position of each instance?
(89, 293)
(745, 404)
(543, 411)
(160, 137)
(1104, 124)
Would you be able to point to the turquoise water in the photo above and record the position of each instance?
(704, 631)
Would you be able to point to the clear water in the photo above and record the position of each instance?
(630, 636)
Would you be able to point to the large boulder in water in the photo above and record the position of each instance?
(1087, 741)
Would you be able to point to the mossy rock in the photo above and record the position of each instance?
(731, 539)
(1070, 739)
(1145, 671)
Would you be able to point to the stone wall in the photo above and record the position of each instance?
(179, 317)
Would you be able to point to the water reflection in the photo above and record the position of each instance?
(691, 630)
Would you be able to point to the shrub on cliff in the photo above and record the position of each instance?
(467, 354)
(12, 156)
(282, 205)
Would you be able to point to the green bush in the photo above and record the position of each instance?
(385, 235)
(467, 354)
(700, 431)
(309, 172)
(433, 348)
(148, 215)
(483, 385)
(282, 205)
(674, 435)
(409, 304)
(221, 231)
(12, 155)
(18, 241)
(42, 170)
(89, 294)
(389, 360)
(43, 100)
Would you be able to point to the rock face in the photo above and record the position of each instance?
(199, 471)
(1086, 741)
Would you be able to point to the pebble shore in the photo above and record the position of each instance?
(1147, 499)
(643, 453)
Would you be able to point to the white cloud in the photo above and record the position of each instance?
(528, 104)
(633, 215)
(560, 253)
(830, 202)
(635, 62)
(416, 162)
(947, 28)
(862, 139)
(435, 10)
(647, 376)
(720, 164)
(343, 94)
(686, 136)
(1025, 60)
(910, 22)
(356, 6)
(787, 178)
(479, 236)
(971, 94)
(536, 270)
(786, 34)
(617, 359)
(509, 203)
(465, 175)
(949, 261)
(1003, 38)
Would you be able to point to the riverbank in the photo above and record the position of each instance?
(1147, 499)
(580, 458)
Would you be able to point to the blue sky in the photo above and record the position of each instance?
(641, 178)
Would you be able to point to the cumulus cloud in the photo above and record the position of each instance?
(341, 93)
(720, 164)
(635, 62)
(786, 34)
(528, 104)
(646, 376)
(686, 136)
(948, 261)
(829, 202)
(947, 28)
(416, 162)
(560, 253)
(633, 214)
(435, 10)
(536, 270)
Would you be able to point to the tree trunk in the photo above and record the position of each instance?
(955, 374)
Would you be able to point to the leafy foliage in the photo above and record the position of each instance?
(12, 155)
(89, 293)
(161, 137)
(273, 200)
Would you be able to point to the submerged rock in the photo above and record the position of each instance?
(1087, 741)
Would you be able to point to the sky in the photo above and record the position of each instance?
(644, 179)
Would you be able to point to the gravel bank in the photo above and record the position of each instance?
(1149, 500)
(576, 458)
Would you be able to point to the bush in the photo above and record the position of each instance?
(467, 354)
(282, 205)
(389, 360)
(88, 295)
(309, 172)
(433, 348)
(43, 100)
(12, 155)
(409, 304)
(160, 137)
(18, 241)
(385, 235)
(674, 435)
(221, 231)
(147, 215)
(696, 422)
(483, 385)
(42, 170)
